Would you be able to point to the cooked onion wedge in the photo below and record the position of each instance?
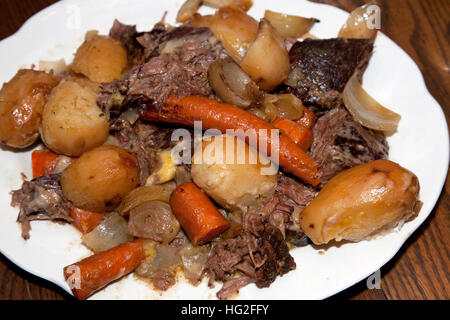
(366, 110)
(232, 26)
(357, 24)
(232, 84)
(241, 4)
(289, 26)
(188, 9)
(267, 60)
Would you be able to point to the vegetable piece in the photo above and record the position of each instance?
(357, 24)
(95, 272)
(85, 221)
(232, 84)
(100, 179)
(366, 110)
(153, 220)
(197, 214)
(289, 26)
(308, 118)
(288, 106)
(141, 195)
(43, 162)
(188, 9)
(232, 26)
(72, 123)
(267, 60)
(241, 4)
(222, 116)
(100, 58)
(166, 172)
(194, 261)
(110, 233)
(301, 135)
(232, 173)
(22, 100)
(362, 201)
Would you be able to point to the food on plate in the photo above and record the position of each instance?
(100, 179)
(72, 123)
(208, 149)
(100, 58)
(231, 173)
(361, 23)
(22, 101)
(362, 201)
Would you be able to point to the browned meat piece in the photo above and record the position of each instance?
(323, 67)
(232, 287)
(341, 143)
(40, 199)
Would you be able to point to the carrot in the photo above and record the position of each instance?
(43, 162)
(222, 116)
(85, 221)
(197, 214)
(308, 118)
(95, 272)
(301, 135)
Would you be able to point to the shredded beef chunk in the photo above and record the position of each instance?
(341, 143)
(178, 65)
(323, 67)
(40, 199)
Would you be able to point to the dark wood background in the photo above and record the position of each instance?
(421, 269)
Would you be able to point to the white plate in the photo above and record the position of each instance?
(420, 145)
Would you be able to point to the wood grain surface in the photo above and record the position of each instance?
(421, 269)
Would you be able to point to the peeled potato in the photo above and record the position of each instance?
(100, 58)
(100, 179)
(234, 177)
(361, 202)
(72, 123)
(22, 100)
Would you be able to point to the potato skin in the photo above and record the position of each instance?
(234, 186)
(100, 178)
(72, 123)
(100, 58)
(22, 100)
(361, 202)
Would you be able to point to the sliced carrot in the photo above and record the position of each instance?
(308, 118)
(301, 135)
(85, 221)
(222, 116)
(197, 214)
(43, 162)
(95, 272)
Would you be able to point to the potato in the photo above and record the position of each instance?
(22, 100)
(72, 123)
(100, 58)
(240, 183)
(100, 178)
(362, 201)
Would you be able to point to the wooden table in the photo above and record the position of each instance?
(421, 269)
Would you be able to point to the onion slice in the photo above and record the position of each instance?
(289, 26)
(366, 110)
(188, 9)
(356, 25)
(241, 4)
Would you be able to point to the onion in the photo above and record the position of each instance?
(267, 60)
(140, 195)
(232, 26)
(108, 234)
(194, 260)
(241, 4)
(289, 26)
(232, 84)
(366, 110)
(188, 9)
(356, 25)
(285, 106)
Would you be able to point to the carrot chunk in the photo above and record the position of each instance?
(308, 118)
(301, 135)
(43, 162)
(85, 221)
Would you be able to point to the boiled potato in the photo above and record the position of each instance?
(362, 201)
(233, 176)
(100, 58)
(100, 178)
(22, 100)
(72, 123)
